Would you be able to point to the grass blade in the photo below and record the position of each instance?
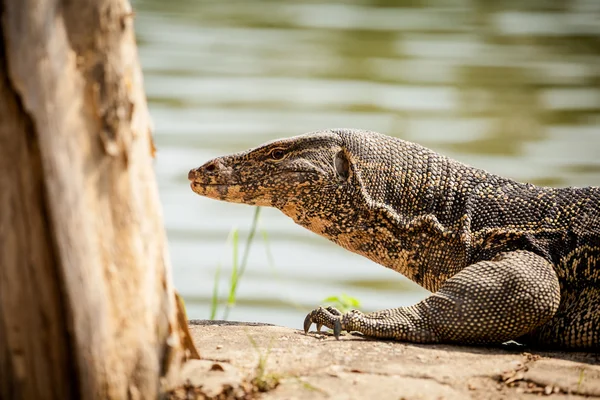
(234, 273)
(249, 239)
(214, 301)
(239, 268)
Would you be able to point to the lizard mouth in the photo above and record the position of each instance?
(200, 184)
(256, 182)
(241, 192)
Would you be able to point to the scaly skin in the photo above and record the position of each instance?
(505, 260)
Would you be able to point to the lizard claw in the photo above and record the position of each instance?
(329, 317)
(308, 322)
(337, 328)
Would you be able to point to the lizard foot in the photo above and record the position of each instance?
(332, 318)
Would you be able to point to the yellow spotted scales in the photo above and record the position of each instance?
(504, 260)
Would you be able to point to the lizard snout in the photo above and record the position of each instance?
(216, 179)
(192, 174)
(213, 172)
(206, 170)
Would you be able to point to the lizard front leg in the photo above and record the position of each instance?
(487, 302)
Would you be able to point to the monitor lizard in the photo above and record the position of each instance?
(504, 260)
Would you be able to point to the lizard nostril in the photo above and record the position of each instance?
(210, 167)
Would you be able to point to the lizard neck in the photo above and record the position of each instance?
(420, 248)
(403, 206)
(407, 212)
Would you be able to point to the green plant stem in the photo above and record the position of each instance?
(215, 295)
(237, 273)
(249, 239)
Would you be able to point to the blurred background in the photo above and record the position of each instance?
(511, 86)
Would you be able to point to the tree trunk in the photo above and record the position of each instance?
(87, 307)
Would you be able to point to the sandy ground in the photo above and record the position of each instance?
(238, 359)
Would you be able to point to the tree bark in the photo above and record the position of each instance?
(87, 306)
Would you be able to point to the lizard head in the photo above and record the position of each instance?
(298, 175)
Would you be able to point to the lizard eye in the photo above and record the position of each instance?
(277, 154)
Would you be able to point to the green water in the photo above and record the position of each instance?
(509, 86)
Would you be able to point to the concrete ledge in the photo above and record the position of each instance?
(290, 365)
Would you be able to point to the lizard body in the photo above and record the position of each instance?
(504, 260)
